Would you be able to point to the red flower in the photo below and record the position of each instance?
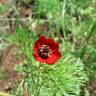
(46, 50)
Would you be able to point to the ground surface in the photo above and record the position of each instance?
(7, 68)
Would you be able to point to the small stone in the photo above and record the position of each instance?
(8, 87)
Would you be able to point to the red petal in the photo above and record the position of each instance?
(54, 57)
(52, 44)
(41, 60)
(36, 52)
(38, 44)
(42, 40)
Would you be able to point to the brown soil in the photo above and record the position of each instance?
(91, 86)
(7, 64)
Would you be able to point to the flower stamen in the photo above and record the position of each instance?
(45, 51)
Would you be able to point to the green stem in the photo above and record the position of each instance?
(88, 38)
(63, 16)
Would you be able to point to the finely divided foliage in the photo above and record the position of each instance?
(64, 78)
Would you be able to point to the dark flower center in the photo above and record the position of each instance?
(45, 51)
